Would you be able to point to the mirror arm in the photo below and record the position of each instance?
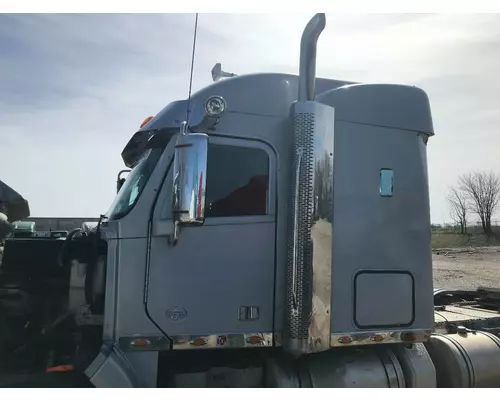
(174, 238)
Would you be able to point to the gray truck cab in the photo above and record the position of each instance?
(287, 213)
(273, 230)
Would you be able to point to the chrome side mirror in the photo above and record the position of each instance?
(189, 181)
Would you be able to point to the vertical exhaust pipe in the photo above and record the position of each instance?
(307, 67)
(308, 293)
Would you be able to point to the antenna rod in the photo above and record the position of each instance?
(192, 69)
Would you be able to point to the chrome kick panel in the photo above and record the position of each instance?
(222, 341)
(369, 338)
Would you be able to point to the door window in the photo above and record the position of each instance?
(237, 181)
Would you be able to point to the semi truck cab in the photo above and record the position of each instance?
(248, 225)
(273, 231)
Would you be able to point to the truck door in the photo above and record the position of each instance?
(215, 287)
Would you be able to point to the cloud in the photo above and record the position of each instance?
(75, 87)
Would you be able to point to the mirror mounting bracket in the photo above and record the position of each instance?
(174, 237)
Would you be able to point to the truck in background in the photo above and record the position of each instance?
(24, 229)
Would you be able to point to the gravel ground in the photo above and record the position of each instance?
(466, 268)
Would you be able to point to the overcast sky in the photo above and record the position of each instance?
(74, 88)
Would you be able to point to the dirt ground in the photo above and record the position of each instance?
(466, 268)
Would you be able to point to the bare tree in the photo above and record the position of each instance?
(457, 201)
(483, 192)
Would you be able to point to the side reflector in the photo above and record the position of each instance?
(254, 340)
(377, 338)
(345, 340)
(201, 341)
(140, 343)
(146, 121)
(409, 337)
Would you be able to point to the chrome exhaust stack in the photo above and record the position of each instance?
(309, 236)
(307, 67)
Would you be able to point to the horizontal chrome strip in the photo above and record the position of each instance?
(252, 340)
(222, 341)
(370, 338)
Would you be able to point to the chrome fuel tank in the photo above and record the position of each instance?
(466, 360)
(394, 366)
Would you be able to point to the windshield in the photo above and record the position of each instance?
(134, 184)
